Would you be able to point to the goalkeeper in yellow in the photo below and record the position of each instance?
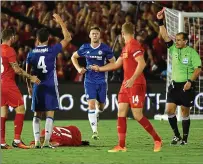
(186, 67)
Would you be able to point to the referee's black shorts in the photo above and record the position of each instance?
(177, 96)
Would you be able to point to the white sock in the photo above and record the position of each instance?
(36, 128)
(48, 129)
(97, 111)
(16, 141)
(93, 120)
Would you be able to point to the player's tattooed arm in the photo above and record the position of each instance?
(21, 72)
(29, 85)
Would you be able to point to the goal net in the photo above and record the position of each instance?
(192, 23)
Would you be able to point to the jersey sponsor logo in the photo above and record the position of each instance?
(125, 55)
(185, 60)
(100, 52)
(41, 50)
(96, 57)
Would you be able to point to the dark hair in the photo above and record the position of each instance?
(43, 35)
(95, 28)
(7, 34)
(184, 34)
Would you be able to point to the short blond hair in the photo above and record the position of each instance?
(128, 28)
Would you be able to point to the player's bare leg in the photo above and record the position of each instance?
(93, 118)
(36, 128)
(4, 115)
(121, 128)
(18, 125)
(48, 129)
(185, 123)
(138, 115)
(172, 119)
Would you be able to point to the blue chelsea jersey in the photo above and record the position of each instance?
(97, 56)
(43, 62)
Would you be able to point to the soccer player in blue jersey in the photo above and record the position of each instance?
(96, 53)
(45, 97)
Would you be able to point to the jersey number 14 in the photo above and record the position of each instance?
(41, 64)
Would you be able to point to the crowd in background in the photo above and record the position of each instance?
(79, 16)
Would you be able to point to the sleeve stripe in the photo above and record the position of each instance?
(136, 53)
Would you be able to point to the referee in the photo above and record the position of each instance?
(186, 67)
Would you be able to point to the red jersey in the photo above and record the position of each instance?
(8, 55)
(132, 50)
(65, 136)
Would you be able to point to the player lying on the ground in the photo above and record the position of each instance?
(63, 136)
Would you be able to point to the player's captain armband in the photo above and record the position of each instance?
(169, 44)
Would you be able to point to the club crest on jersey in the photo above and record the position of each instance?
(185, 61)
(125, 55)
(100, 52)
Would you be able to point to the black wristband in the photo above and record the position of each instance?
(190, 81)
(160, 22)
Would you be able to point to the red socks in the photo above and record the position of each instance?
(3, 125)
(149, 128)
(18, 125)
(121, 128)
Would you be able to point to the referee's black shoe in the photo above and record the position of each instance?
(175, 140)
(183, 142)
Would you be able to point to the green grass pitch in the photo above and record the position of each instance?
(139, 144)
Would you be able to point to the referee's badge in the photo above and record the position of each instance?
(100, 52)
(185, 60)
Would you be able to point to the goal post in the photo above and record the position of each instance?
(192, 23)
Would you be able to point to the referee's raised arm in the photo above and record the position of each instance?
(162, 28)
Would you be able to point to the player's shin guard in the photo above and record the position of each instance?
(173, 123)
(186, 127)
(149, 128)
(36, 129)
(121, 128)
(48, 129)
(93, 120)
(3, 127)
(18, 125)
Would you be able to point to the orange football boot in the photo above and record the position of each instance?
(157, 146)
(117, 149)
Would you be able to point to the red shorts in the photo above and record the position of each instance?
(135, 96)
(11, 96)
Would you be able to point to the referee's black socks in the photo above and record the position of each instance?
(186, 127)
(173, 122)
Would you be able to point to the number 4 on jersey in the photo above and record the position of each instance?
(41, 64)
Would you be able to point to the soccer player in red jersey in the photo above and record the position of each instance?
(63, 136)
(10, 94)
(133, 88)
